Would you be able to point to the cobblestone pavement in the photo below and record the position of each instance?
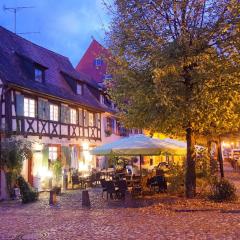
(160, 217)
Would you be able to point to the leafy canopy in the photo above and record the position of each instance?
(176, 64)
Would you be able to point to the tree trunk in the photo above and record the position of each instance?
(220, 158)
(190, 175)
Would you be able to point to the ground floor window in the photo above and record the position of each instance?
(53, 153)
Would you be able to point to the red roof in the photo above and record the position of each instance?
(87, 63)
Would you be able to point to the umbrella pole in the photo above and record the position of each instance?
(141, 158)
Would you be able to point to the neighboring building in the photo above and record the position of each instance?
(94, 64)
(44, 99)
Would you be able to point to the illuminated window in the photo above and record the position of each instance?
(29, 107)
(39, 73)
(79, 89)
(73, 116)
(53, 112)
(91, 119)
(53, 153)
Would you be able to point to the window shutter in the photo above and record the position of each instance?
(20, 105)
(43, 109)
(80, 117)
(47, 110)
(63, 113)
(40, 109)
(45, 154)
(67, 116)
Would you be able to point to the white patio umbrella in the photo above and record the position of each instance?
(140, 145)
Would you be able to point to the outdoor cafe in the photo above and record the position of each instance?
(125, 170)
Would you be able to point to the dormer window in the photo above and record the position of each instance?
(39, 74)
(79, 89)
(98, 63)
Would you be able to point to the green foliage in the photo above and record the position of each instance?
(202, 163)
(176, 67)
(222, 190)
(27, 192)
(175, 179)
(56, 167)
(13, 153)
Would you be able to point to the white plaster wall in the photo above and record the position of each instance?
(113, 136)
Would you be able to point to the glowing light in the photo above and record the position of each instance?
(37, 147)
(43, 172)
(82, 167)
(85, 146)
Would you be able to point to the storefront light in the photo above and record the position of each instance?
(82, 167)
(43, 172)
(85, 146)
(37, 147)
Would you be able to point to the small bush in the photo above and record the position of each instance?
(223, 190)
(175, 179)
(27, 192)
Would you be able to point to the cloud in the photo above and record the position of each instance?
(65, 26)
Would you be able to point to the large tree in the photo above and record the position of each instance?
(176, 68)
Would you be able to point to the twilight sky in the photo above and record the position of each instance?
(64, 26)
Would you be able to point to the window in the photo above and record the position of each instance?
(39, 73)
(79, 89)
(107, 77)
(98, 62)
(53, 112)
(29, 107)
(110, 124)
(91, 120)
(101, 99)
(53, 153)
(73, 116)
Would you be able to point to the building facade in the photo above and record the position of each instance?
(94, 64)
(44, 100)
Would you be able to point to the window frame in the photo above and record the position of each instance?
(28, 110)
(72, 110)
(39, 69)
(56, 151)
(92, 119)
(52, 105)
(98, 62)
(79, 85)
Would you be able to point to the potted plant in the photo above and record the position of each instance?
(57, 176)
(108, 132)
(13, 153)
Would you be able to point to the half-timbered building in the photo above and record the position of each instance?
(45, 100)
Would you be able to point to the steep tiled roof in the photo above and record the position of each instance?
(16, 70)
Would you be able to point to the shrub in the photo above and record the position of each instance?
(202, 163)
(175, 179)
(223, 190)
(27, 192)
